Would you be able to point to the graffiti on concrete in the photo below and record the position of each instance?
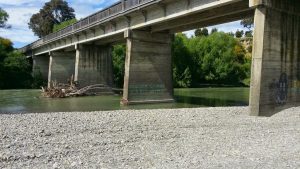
(280, 89)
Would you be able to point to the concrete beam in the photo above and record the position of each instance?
(218, 12)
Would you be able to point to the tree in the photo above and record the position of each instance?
(214, 30)
(3, 18)
(201, 32)
(248, 23)
(223, 59)
(16, 71)
(119, 54)
(239, 34)
(6, 46)
(181, 62)
(53, 12)
(58, 27)
(249, 34)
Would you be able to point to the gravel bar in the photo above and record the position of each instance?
(177, 138)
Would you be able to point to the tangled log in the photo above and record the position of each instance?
(60, 90)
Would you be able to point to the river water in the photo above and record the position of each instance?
(25, 101)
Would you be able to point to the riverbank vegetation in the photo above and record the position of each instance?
(15, 68)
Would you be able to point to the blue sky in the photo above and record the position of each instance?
(20, 12)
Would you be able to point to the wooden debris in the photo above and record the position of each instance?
(60, 90)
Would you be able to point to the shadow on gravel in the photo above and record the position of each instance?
(210, 102)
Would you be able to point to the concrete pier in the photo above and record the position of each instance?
(93, 65)
(148, 72)
(276, 57)
(41, 66)
(61, 67)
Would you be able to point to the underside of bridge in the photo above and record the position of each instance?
(148, 32)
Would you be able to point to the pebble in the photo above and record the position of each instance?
(178, 138)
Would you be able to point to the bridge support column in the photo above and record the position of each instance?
(41, 66)
(93, 65)
(148, 69)
(61, 67)
(276, 57)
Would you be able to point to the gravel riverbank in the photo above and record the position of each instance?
(180, 138)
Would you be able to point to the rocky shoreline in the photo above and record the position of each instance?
(176, 138)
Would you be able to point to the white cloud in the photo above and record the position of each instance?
(18, 19)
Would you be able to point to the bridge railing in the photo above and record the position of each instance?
(114, 9)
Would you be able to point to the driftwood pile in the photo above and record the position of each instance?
(60, 90)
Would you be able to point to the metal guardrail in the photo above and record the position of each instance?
(114, 9)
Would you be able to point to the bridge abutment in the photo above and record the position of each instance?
(148, 71)
(93, 65)
(276, 57)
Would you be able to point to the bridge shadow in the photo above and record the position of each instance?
(210, 102)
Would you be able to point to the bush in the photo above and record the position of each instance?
(58, 27)
(16, 72)
(119, 54)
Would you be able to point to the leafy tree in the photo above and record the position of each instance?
(239, 34)
(38, 81)
(223, 59)
(53, 12)
(230, 34)
(60, 26)
(16, 72)
(119, 54)
(6, 47)
(214, 30)
(201, 32)
(248, 23)
(15, 69)
(3, 18)
(249, 34)
(181, 62)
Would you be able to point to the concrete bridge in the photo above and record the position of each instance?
(147, 26)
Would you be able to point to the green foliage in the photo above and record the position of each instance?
(216, 59)
(201, 32)
(181, 62)
(239, 34)
(230, 34)
(38, 80)
(3, 18)
(248, 23)
(5, 48)
(53, 12)
(214, 30)
(249, 34)
(60, 26)
(15, 69)
(119, 54)
(16, 72)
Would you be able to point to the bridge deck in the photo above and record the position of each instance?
(109, 24)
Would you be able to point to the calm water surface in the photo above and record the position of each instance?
(25, 101)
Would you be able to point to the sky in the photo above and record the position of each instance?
(20, 12)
